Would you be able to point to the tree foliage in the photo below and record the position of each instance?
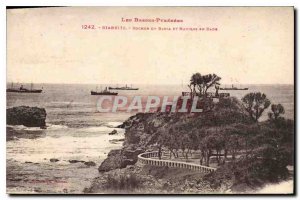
(199, 84)
(255, 152)
(255, 104)
(277, 110)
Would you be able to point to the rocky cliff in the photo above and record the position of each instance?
(226, 125)
(143, 129)
(141, 132)
(27, 116)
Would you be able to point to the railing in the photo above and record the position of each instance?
(148, 159)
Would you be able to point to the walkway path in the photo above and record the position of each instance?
(151, 158)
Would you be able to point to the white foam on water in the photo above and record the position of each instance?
(114, 124)
(56, 127)
(70, 103)
(102, 129)
(73, 143)
(32, 129)
(22, 127)
(91, 148)
(49, 127)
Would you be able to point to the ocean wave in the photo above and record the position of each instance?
(114, 124)
(105, 128)
(70, 103)
(25, 128)
(56, 127)
(22, 127)
(102, 129)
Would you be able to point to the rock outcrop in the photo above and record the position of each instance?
(141, 131)
(54, 160)
(90, 163)
(76, 161)
(27, 116)
(119, 158)
(114, 132)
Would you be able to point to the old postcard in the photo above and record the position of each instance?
(150, 100)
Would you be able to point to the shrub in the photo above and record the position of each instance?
(126, 182)
(132, 137)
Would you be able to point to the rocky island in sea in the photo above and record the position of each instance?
(25, 116)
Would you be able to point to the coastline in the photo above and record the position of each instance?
(141, 134)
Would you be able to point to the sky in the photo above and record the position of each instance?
(251, 46)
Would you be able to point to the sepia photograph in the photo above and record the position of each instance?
(150, 100)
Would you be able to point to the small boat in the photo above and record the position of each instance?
(123, 88)
(103, 92)
(24, 90)
(233, 88)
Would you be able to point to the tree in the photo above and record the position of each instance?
(185, 145)
(277, 110)
(210, 80)
(171, 140)
(234, 138)
(255, 104)
(196, 80)
(203, 83)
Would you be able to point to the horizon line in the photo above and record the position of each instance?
(7, 82)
